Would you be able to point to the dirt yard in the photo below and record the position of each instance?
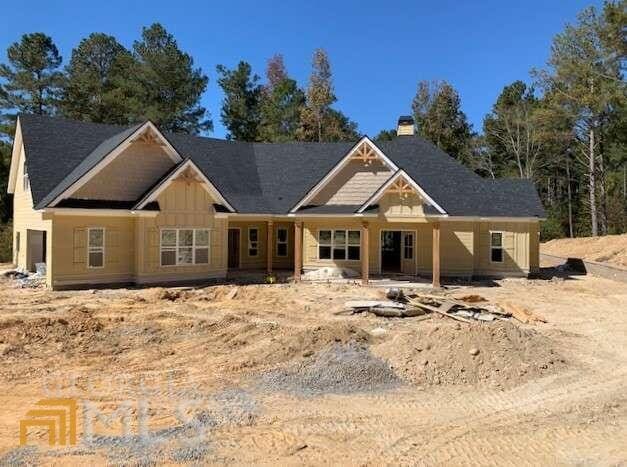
(267, 374)
(610, 249)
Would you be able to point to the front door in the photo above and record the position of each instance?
(390, 251)
(233, 248)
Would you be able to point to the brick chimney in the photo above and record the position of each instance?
(405, 126)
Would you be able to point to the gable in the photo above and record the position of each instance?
(354, 179)
(353, 184)
(129, 175)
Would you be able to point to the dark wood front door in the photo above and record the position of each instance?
(233, 248)
(390, 251)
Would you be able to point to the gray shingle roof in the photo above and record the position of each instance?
(267, 178)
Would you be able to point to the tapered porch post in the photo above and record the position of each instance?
(298, 249)
(436, 255)
(365, 250)
(269, 245)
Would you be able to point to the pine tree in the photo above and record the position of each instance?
(170, 86)
(281, 104)
(318, 120)
(240, 106)
(32, 80)
(439, 118)
(585, 82)
(98, 69)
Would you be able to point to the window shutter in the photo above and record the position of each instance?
(112, 246)
(80, 245)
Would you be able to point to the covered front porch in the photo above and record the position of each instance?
(376, 250)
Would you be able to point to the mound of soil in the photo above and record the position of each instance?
(497, 353)
(337, 369)
(607, 249)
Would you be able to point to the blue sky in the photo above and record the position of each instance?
(378, 50)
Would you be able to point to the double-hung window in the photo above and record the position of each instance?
(496, 247)
(339, 244)
(95, 247)
(253, 241)
(281, 241)
(184, 246)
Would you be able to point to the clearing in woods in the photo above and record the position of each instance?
(270, 374)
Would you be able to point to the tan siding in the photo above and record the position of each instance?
(129, 175)
(70, 250)
(516, 238)
(354, 184)
(534, 247)
(456, 248)
(25, 217)
(183, 205)
(394, 205)
(259, 261)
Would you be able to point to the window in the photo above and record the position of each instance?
(25, 182)
(95, 247)
(339, 244)
(496, 247)
(184, 246)
(253, 241)
(408, 246)
(281, 241)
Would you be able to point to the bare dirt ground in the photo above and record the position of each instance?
(274, 375)
(610, 249)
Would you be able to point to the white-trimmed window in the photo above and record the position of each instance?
(281, 241)
(408, 246)
(181, 247)
(339, 244)
(95, 247)
(496, 247)
(253, 241)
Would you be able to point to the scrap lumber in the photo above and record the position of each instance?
(469, 298)
(442, 309)
(521, 313)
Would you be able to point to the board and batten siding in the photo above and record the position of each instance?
(183, 204)
(353, 184)
(129, 175)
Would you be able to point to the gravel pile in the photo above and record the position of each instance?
(338, 369)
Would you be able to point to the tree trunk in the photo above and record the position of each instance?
(602, 191)
(570, 201)
(592, 185)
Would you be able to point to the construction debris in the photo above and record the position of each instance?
(521, 313)
(386, 309)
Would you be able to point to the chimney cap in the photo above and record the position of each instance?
(405, 120)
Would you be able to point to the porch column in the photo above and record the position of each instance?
(365, 256)
(436, 255)
(298, 249)
(269, 245)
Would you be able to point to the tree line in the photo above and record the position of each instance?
(564, 127)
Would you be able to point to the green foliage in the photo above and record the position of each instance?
(6, 207)
(32, 80)
(96, 77)
(385, 135)
(281, 104)
(6, 243)
(241, 105)
(170, 86)
(552, 227)
(439, 118)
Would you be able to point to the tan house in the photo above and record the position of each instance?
(105, 204)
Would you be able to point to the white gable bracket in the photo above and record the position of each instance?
(383, 188)
(340, 165)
